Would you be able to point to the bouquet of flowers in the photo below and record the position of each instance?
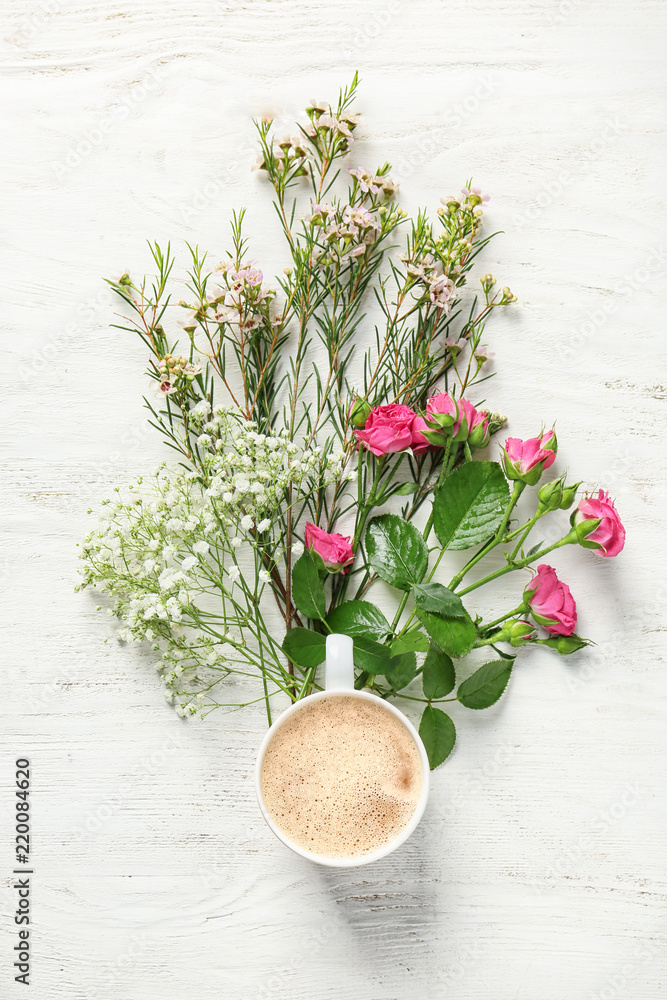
(311, 472)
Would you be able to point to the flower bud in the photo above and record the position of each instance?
(550, 495)
(430, 433)
(550, 602)
(480, 434)
(566, 644)
(556, 496)
(598, 525)
(496, 421)
(333, 549)
(525, 461)
(441, 421)
(517, 633)
(359, 412)
(569, 495)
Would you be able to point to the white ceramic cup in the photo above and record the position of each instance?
(340, 680)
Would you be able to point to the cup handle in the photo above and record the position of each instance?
(340, 663)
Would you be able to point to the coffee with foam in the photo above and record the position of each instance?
(341, 777)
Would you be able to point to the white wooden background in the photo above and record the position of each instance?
(539, 869)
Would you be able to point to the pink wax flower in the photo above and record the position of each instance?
(526, 460)
(388, 429)
(550, 601)
(335, 550)
(608, 536)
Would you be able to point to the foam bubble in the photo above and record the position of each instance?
(342, 777)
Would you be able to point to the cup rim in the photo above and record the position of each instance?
(381, 852)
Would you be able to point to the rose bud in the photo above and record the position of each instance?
(525, 461)
(598, 525)
(566, 644)
(457, 418)
(479, 433)
(335, 550)
(443, 413)
(556, 496)
(517, 633)
(441, 422)
(551, 603)
(359, 412)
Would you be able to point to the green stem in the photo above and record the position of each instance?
(516, 611)
(399, 612)
(523, 536)
(518, 489)
(429, 701)
(569, 539)
(364, 510)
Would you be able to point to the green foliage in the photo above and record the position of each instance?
(359, 619)
(438, 673)
(469, 505)
(438, 734)
(305, 647)
(401, 670)
(486, 685)
(435, 597)
(307, 587)
(456, 636)
(396, 551)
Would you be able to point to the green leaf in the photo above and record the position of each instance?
(486, 685)
(435, 597)
(406, 490)
(456, 636)
(370, 656)
(307, 588)
(359, 618)
(396, 550)
(438, 674)
(400, 670)
(469, 505)
(305, 647)
(412, 642)
(438, 734)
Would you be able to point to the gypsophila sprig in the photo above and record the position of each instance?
(303, 460)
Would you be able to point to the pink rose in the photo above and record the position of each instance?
(388, 429)
(335, 549)
(608, 537)
(445, 411)
(527, 460)
(551, 603)
(455, 418)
